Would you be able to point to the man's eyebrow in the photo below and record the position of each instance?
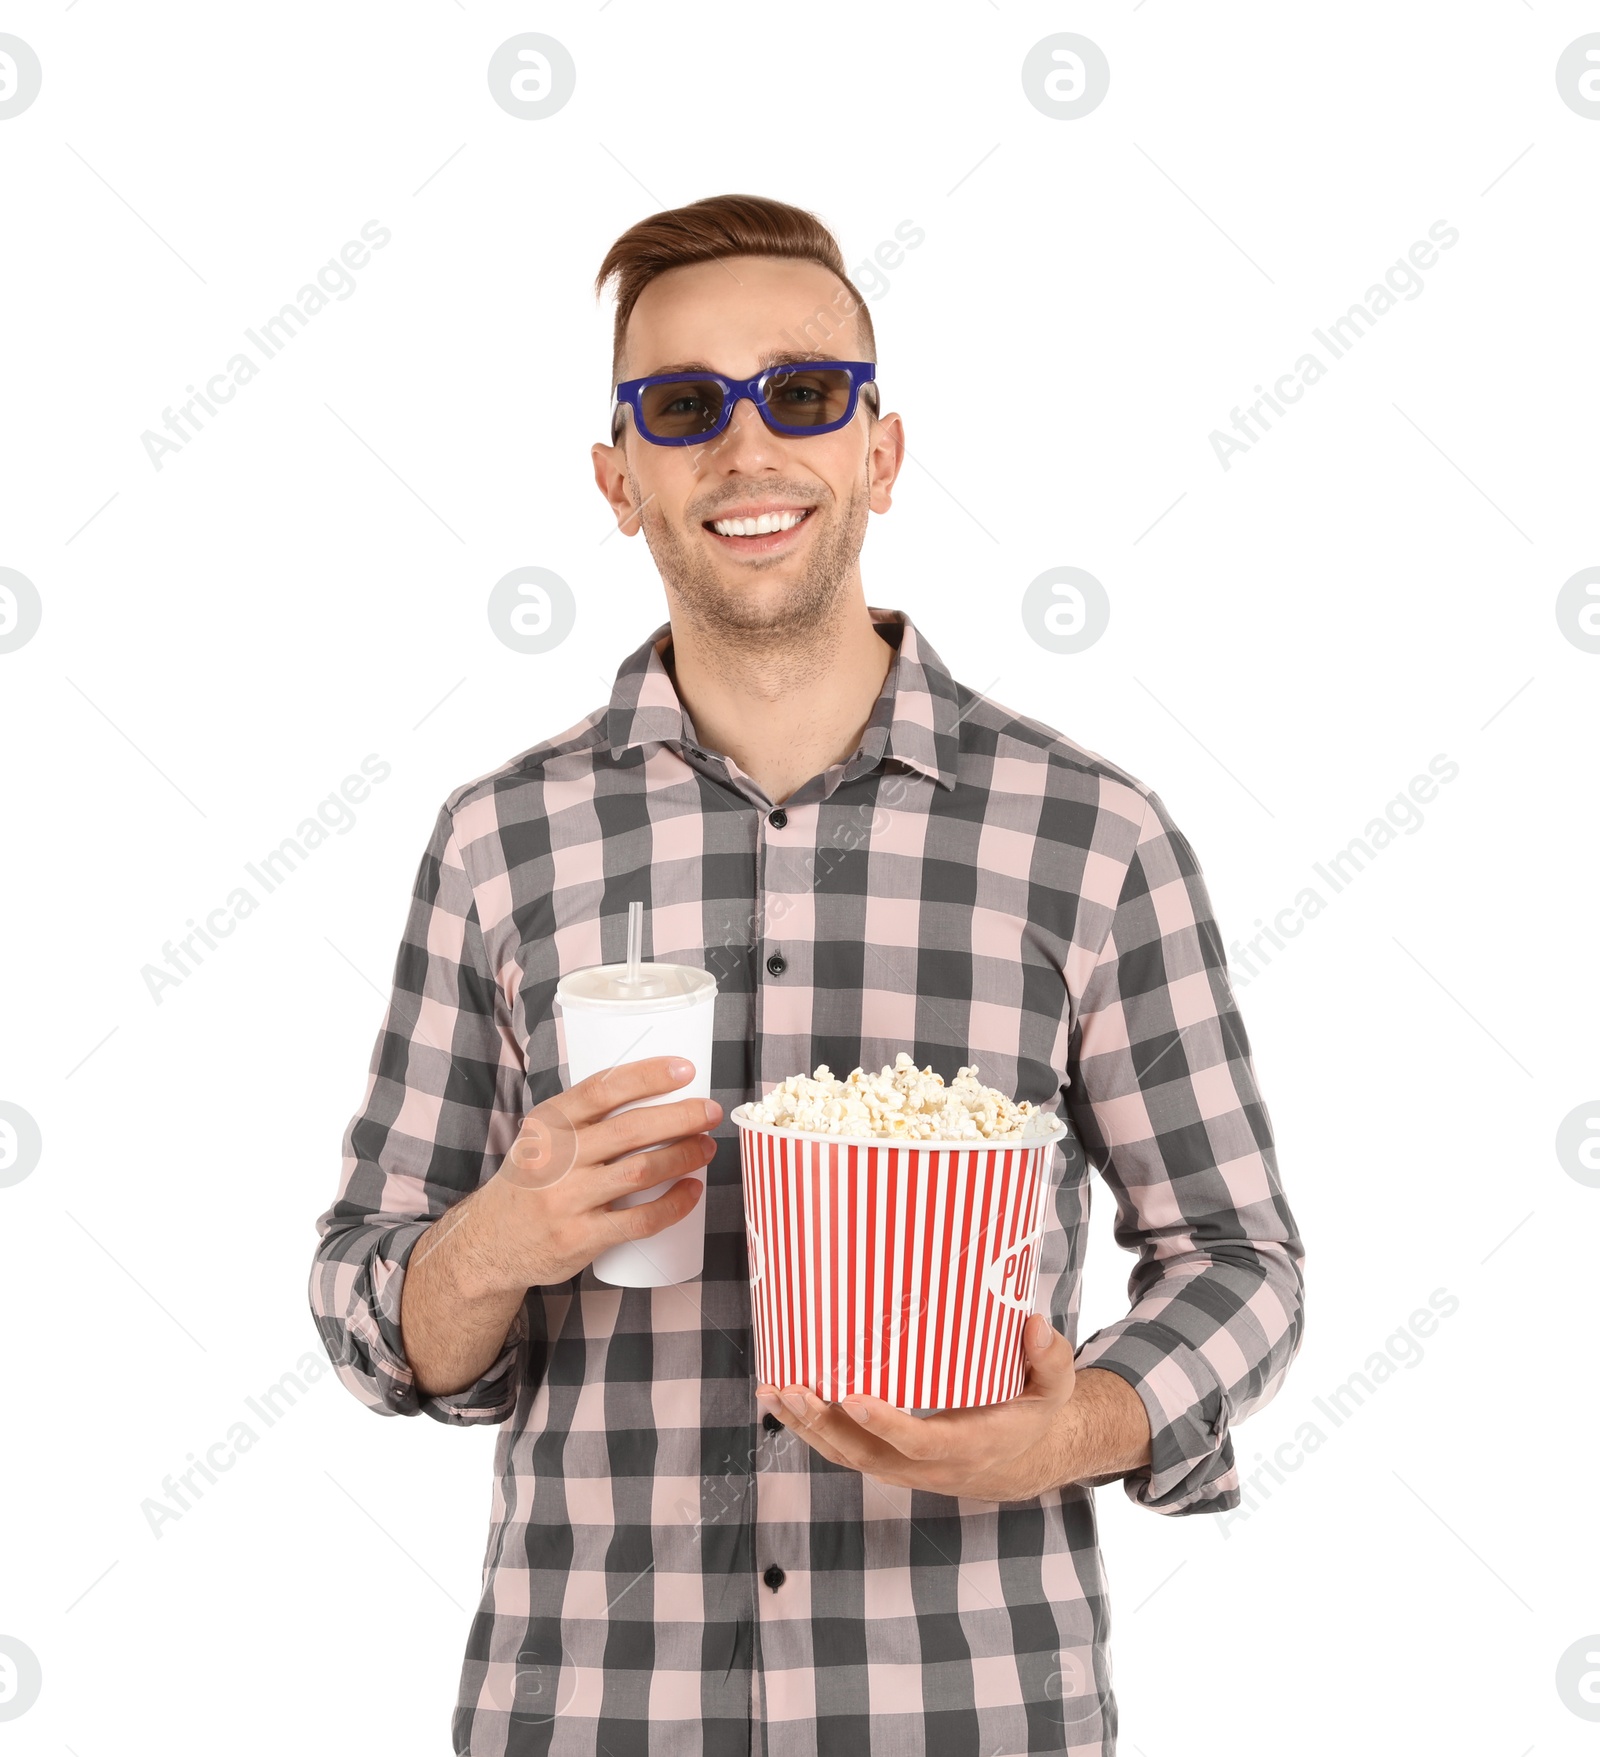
(779, 357)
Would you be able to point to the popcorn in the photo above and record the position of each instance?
(901, 1103)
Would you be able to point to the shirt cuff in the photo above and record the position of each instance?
(1191, 1467)
(490, 1398)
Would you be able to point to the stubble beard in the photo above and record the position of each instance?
(793, 621)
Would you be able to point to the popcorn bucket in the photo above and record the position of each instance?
(902, 1270)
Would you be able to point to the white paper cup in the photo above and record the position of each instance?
(902, 1270)
(602, 1033)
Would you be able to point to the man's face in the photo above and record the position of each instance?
(733, 317)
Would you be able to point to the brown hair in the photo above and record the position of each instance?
(718, 226)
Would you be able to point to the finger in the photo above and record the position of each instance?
(639, 1171)
(1049, 1355)
(835, 1436)
(926, 1439)
(590, 1099)
(962, 1439)
(797, 1422)
(648, 1218)
(600, 1143)
(881, 1463)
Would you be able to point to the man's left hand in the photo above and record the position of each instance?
(1009, 1451)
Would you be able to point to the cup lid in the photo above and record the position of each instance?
(660, 988)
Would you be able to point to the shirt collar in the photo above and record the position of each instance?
(913, 721)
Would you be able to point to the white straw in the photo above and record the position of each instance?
(635, 940)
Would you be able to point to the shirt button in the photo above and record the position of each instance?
(778, 819)
(777, 964)
(771, 1424)
(774, 1576)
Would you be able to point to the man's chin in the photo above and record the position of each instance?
(754, 600)
(759, 608)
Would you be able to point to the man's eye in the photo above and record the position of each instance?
(684, 406)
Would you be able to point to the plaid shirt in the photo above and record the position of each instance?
(666, 1573)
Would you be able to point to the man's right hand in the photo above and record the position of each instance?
(571, 1160)
(545, 1214)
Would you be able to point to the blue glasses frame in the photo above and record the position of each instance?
(629, 393)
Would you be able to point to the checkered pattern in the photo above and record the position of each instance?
(970, 886)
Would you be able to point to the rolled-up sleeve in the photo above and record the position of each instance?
(442, 1108)
(1162, 1093)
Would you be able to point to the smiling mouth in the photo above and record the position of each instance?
(759, 535)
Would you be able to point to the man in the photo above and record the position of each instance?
(870, 857)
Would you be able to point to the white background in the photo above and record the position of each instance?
(223, 640)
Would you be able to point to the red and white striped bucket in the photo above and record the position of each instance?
(903, 1271)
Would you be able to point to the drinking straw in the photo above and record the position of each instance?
(635, 940)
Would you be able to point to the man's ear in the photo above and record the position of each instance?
(612, 479)
(886, 452)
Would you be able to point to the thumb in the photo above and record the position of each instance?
(1049, 1354)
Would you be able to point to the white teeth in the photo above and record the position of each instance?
(761, 527)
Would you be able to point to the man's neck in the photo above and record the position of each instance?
(790, 713)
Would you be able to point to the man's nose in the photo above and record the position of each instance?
(745, 413)
(744, 446)
(746, 431)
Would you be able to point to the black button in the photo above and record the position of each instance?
(777, 964)
(774, 1576)
(778, 819)
(771, 1424)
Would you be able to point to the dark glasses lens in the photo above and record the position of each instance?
(681, 409)
(808, 396)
